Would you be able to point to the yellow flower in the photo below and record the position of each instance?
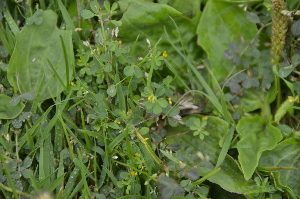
(133, 173)
(79, 60)
(73, 84)
(144, 142)
(137, 154)
(129, 112)
(205, 118)
(215, 112)
(120, 41)
(293, 99)
(117, 122)
(170, 100)
(152, 98)
(182, 164)
(165, 54)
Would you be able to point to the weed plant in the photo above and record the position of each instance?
(143, 99)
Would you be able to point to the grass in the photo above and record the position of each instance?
(120, 122)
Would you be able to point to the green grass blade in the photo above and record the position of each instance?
(69, 22)
(10, 182)
(116, 141)
(213, 172)
(225, 147)
(66, 63)
(83, 175)
(12, 24)
(58, 77)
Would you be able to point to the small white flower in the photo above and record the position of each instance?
(116, 31)
(78, 29)
(148, 41)
(115, 157)
(86, 43)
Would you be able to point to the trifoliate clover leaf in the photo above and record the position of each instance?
(108, 68)
(234, 87)
(233, 47)
(160, 91)
(296, 60)
(255, 52)
(111, 91)
(36, 19)
(239, 77)
(27, 96)
(236, 59)
(162, 102)
(86, 14)
(173, 122)
(228, 54)
(157, 108)
(250, 82)
(138, 72)
(129, 70)
(144, 130)
(15, 101)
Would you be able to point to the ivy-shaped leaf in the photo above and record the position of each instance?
(285, 154)
(258, 136)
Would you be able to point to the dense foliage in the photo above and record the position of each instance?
(149, 99)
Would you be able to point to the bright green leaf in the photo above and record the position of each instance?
(260, 136)
(29, 66)
(285, 154)
(220, 24)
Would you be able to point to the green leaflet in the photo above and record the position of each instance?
(28, 67)
(6, 110)
(259, 137)
(220, 24)
(285, 154)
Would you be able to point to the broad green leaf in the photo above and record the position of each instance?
(260, 136)
(230, 177)
(220, 24)
(188, 7)
(29, 66)
(203, 155)
(285, 154)
(143, 19)
(6, 110)
(241, 1)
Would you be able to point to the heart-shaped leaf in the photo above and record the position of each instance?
(259, 136)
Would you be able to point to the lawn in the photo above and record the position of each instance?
(163, 99)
